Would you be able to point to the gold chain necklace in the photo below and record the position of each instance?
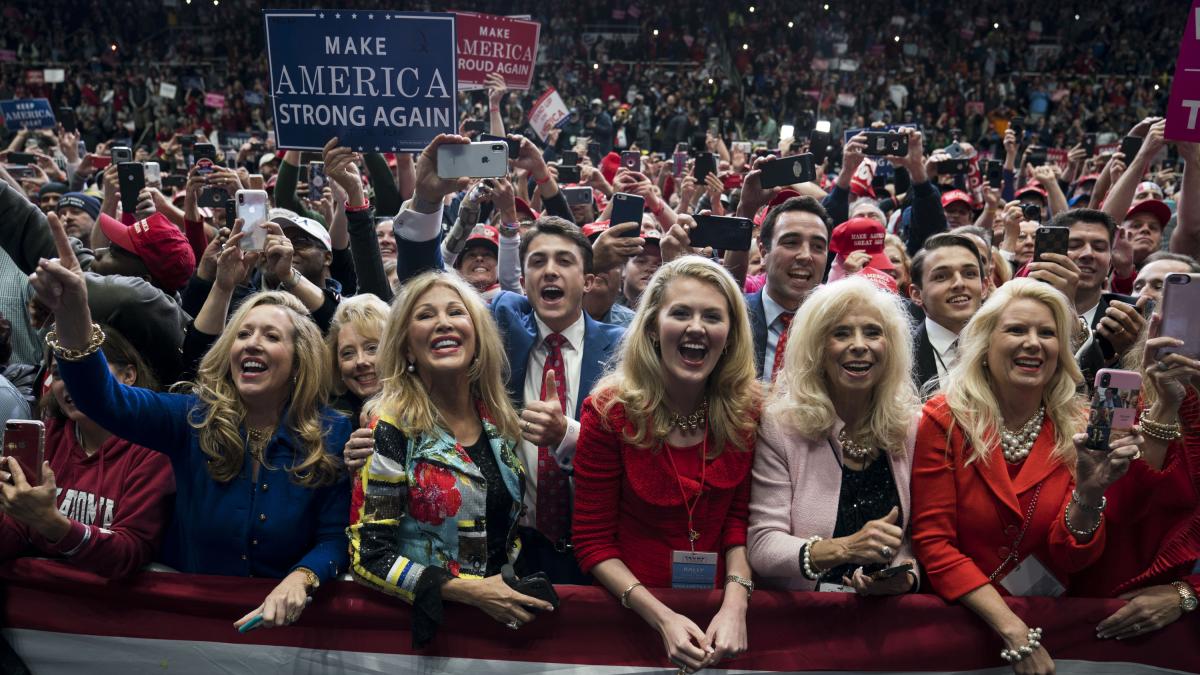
(690, 422)
(853, 449)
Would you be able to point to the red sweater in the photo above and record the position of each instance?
(628, 503)
(118, 500)
(1154, 520)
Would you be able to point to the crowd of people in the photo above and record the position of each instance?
(449, 387)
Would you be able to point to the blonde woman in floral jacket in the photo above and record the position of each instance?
(435, 517)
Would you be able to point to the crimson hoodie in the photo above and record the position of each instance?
(118, 500)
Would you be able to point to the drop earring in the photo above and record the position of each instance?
(412, 367)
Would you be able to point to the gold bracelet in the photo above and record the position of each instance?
(63, 354)
(1158, 430)
(625, 595)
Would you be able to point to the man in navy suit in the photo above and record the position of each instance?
(794, 243)
(948, 284)
(555, 350)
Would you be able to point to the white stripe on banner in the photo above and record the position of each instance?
(48, 653)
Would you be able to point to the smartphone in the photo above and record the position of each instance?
(788, 171)
(257, 182)
(210, 197)
(1130, 145)
(1017, 124)
(100, 162)
(570, 158)
(953, 167)
(995, 173)
(632, 160)
(477, 126)
(22, 158)
(66, 117)
(627, 208)
(679, 160)
(25, 441)
(174, 182)
(1114, 405)
(593, 152)
(187, 144)
(568, 173)
(886, 144)
(577, 195)
(724, 233)
(1107, 299)
(890, 572)
(1181, 297)
(121, 153)
(1089, 145)
(1035, 156)
(131, 177)
(316, 180)
(706, 163)
(819, 145)
(514, 148)
(205, 151)
(20, 172)
(1050, 240)
(153, 172)
(486, 159)
(252, 209)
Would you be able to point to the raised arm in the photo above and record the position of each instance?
(1186, 237)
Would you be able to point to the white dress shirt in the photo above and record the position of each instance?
(945, 346)
(572, 355)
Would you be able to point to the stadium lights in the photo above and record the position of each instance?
(791, 24)
(897, 38)
(710, 81)
(595, 66)
(1076, 17)
(826, 8)
(1156, 87)
(655, 32)
(113, 46)
(996, 25)
(745, 46)
(751, 9)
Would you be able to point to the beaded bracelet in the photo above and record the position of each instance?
(1158, 430)
(1034, 640)
(95, 340)
(1080, 534)
(806, 565)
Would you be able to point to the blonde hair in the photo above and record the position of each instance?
(968, 385)
(220, 413)
(367, 314)
(403, 396)
(733, 391)
(801, 392)
(894, 242)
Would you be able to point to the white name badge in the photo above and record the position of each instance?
(828, 587)
(1032, 578)
(693, 569)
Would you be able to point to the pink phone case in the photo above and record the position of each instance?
(1181, 313)
(1114, 404)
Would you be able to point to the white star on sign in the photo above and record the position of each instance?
(353, 16)
(377, 148)
(371, 16)
(393, 148)
(337, 16)
(321, 15)
(387, 16)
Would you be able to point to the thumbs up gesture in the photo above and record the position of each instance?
(877, 542)
(543, 422)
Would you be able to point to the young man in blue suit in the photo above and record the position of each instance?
(555, 350)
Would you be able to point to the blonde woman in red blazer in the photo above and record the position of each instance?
(1001, 475)
(829, 500)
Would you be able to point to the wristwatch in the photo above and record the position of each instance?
(311, 581)
(1187, 596)
(741, 581)
(1081, 334)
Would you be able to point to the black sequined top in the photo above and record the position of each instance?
(866, 495)
(499, 503)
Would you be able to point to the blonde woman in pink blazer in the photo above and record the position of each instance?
(829, 502)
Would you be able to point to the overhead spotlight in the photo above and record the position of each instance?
(745, 46)
(996, 25)
(655, 32)
(113, 46)
(897, 38)
(826, 8)
(791, 24)
(751, 9)
(595, 66)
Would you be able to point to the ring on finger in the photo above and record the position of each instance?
(513, 624)
(1162, 366)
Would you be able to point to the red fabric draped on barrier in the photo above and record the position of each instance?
(788, 631)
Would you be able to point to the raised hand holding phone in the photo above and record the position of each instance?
(33, 505)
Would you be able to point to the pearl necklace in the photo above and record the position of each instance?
(851, 448)
(690, 422)
(1017, 444)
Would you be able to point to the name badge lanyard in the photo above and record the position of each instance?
(692, 534)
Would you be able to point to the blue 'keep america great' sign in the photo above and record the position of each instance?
(379, 81)
(27, 113)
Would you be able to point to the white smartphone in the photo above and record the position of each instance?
(488, 159)
(252, 209)
(153, 173)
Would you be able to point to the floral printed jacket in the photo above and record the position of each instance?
(423, 504)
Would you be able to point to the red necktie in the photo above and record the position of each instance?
(553, 487)
(781, 346)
